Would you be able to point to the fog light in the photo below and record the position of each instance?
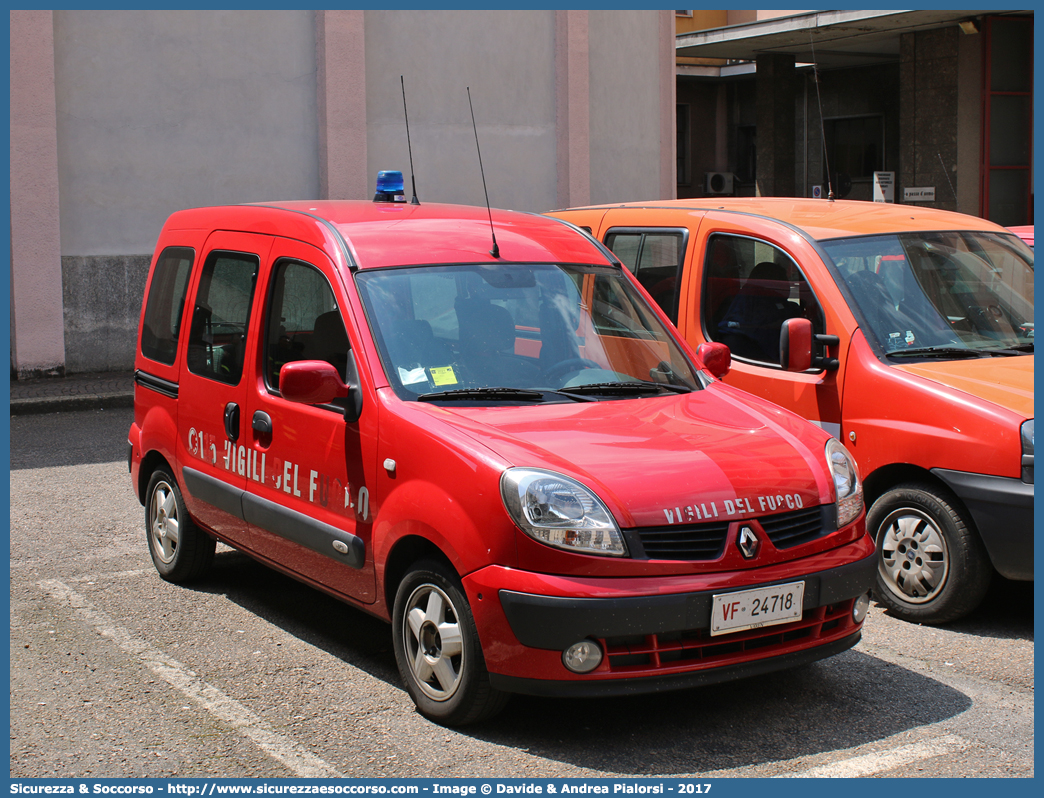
(859, 607)
(582, 657)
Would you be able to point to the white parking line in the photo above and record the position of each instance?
(870, 764)
(293, 756)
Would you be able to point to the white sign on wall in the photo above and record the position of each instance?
(884, 186)
(925, 194)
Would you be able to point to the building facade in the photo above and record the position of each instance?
(790, 103)
(119, 118)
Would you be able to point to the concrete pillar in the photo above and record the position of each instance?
(668, 105)
(37, 329)
(340, 40)
(776, 84)
(572, 108)
(929, 122)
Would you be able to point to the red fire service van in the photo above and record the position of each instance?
(473, 425)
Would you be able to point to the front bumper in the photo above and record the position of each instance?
(1002, 508)
(659, 640)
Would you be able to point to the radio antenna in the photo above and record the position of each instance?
(822, 124)
(409, 147)
(495, 252)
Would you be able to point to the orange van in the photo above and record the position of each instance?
(907, 332)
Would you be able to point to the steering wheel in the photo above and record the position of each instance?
(563, 367)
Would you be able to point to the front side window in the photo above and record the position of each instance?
(948, 294)
(750, 288)
(303, 321)
(552, 331)
(217, 337)
(654, 257)
(165, 305)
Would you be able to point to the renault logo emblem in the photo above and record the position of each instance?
(747, 542)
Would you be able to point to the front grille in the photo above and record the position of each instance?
(707, 541)
(684, 542)
(696, 648)
(794, 528)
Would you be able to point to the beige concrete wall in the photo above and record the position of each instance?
(160, 110)
(628, 104)
(507, 58)
(37, 335)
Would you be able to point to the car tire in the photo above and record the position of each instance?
(437, 648)
(932, 567)
(180, 550)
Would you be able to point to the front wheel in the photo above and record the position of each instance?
(932, 568)
(438, 651)
(180, 550)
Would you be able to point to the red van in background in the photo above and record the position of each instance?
(904, 331)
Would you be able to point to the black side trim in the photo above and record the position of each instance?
(553, 622)
(304, 530)
(657, 684)
(215, 492)
(152, 382)
(1002, 508)
(290, 524)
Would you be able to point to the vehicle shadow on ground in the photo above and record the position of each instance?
(304, 612)
(1006, 613)
(839, 703)
(835, 704)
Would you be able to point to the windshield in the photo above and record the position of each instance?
(929, 293)
(550, 333)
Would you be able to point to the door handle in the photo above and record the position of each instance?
(232, 421)
(261, 423)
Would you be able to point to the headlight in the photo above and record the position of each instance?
(560, 512)
(847, 487)
(1027, 451)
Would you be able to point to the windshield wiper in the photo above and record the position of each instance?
(500, 394)
(508, 394)
(940, 351)
(624, 388)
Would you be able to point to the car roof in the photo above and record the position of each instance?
(380, 234)
(824, 219)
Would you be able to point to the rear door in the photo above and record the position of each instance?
(309, 471)
(213, 386)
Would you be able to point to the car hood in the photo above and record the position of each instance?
(715, 454)
(1004, 381)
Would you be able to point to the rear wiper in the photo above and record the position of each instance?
(508, 394)
(939, 351)
(624, 388)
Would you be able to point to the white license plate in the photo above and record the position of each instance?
(752, 609)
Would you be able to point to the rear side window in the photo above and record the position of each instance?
(166, 304)
(655, 258)
(217, 338)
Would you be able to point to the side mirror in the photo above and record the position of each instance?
(716, 357)
(795, 345)
(311, 382)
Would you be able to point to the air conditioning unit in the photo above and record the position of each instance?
(720, 182)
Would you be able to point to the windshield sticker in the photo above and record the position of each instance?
(443, 375)
(412, 376)
(739, 506)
